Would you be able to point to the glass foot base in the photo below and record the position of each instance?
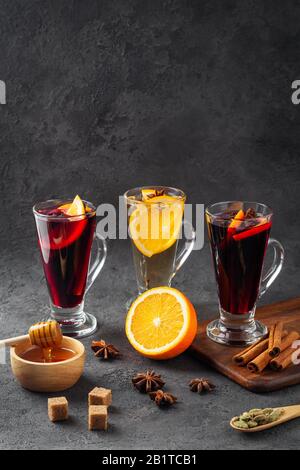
(86, 326)
(236, 336)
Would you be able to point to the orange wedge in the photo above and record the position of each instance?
(238, 219)
(75, 208)
(161, 323)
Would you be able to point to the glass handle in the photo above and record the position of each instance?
(275, 268)
(99, 261)
(187, 249)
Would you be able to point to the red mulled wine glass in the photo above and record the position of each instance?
(65, 243)
(239, 234)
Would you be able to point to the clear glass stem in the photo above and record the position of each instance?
(236, 330)
(75, 321)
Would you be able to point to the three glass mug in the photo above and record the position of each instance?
(155, 220)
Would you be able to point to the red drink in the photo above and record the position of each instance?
(65, 244)
(238, 247)
(239, 237)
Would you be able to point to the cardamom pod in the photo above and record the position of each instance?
(245, 416)
(255, 411)
(252, 424)
(261, 419)
(241, 424)
(267, 410)
(275, 415)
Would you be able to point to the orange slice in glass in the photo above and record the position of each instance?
(238, 219)
(161, 323)
(77, 207)
(155, 225)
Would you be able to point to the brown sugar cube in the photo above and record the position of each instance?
(97, 417)
(100, 396)
(58, 409)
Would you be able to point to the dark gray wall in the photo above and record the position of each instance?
(105, 95)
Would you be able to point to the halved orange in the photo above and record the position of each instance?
(161, 323)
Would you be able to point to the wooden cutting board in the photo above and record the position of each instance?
(220, 357)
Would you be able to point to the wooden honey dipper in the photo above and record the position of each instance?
(46, 334)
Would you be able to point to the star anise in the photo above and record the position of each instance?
(162, 398)
(147, 382)
(201, 385)
(250, 213)
(156, 193)
(104, 350)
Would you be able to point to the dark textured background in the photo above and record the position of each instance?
(107, 95)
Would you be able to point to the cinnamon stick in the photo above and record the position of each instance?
(283, 360)
(251, 352)
(245, 356)
(285, 357)
(290, 338)
(271, 335)
(260, 362)
(275, 339)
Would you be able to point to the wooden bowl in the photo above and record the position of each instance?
(48, 377)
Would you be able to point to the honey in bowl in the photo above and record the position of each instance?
(48, 376)
(37, 354)
(46, 339)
